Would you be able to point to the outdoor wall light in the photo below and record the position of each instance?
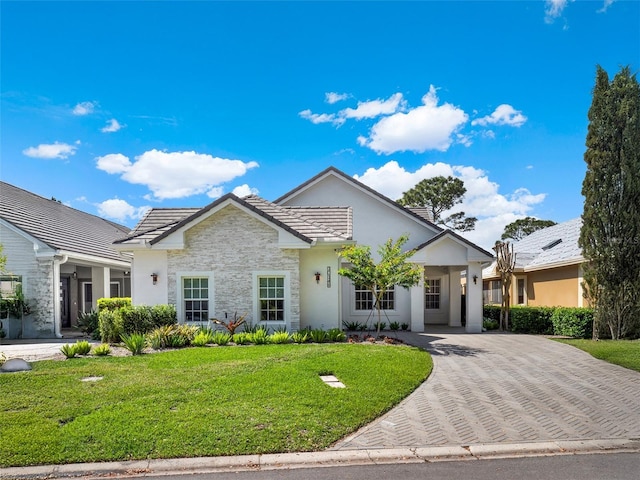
(317, 275)
(74, 275)
(475, 279)
(154, 277)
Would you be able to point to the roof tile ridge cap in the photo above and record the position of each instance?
(138, 234)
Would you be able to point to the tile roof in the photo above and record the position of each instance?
(548, 247)
(59, 226)
(311, 223)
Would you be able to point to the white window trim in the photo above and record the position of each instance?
(426, 283)
(287, 298)
(119, 287)
(180, 299)
(83, 300)
(366, 313)
(525, 296)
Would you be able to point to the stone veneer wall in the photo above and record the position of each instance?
(233, 245)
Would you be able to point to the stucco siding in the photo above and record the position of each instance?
(554, 287)
(231, 246)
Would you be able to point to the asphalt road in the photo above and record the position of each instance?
(611, 466)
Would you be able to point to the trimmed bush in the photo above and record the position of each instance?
(136, 319)
(162, 315)
(573, 322)
(110, 324)
(491, 312)
(113, 303)
(535, 320)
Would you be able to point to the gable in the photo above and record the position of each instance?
(448, 248)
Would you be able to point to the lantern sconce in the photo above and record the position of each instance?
(317, 275)
(475, 279)
(74, 275)
(154, 278)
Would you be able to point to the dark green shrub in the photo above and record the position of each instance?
(491, 312)
(136, 319)
(489, 324)
(573, 322)
(336, 335)
(113, 303)
(352, 326)
(318, 335)
(110, 325)
(89, 323)
(535, 320)
(394, 326)
(404, 326)
(135, 342)
(162, 315)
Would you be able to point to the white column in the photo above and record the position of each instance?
(100, 284)
(455, 294)
(417, 306)
(474, 298)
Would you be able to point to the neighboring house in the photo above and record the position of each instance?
(63, 259)
(278, 261)
(548, 269)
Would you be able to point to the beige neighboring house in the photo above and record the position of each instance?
(548, 269)
(277, 262)
(62, 258)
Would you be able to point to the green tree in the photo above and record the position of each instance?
(440, 194)
(610, 234)
(392, 269)
(524, 226)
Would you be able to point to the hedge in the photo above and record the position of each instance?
(113, 303)
(128, 319)
(573, 322)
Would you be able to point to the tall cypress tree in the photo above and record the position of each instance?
(610, 235)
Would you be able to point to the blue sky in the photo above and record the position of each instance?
(116, 107)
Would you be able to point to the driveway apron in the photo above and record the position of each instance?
(506, 388)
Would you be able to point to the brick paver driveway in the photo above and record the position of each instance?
(505, 388)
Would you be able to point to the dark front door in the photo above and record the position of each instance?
(65, 318)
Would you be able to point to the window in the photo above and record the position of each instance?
(195, 295)
(365, 301)
(492, 292)
(9, 285)
(271, 298)
(521, 291)
(432, 294)
(114, 289)
(87, 297)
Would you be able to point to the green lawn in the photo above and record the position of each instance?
(621, 352)
(200, 401)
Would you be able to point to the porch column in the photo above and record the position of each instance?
(417, 306)
(101, 284)
(474, 298)
(455, 300)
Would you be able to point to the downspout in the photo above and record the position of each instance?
(56, 295)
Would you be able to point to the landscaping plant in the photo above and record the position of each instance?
(82, 347)
(102, 350)
(68, 351)
(134, 342)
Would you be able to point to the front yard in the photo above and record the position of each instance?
(625, 353)
(200, 401)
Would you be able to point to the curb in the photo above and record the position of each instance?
(178, 466)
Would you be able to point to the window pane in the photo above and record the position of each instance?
(196, 294)
(271, 298)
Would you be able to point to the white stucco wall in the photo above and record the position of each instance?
(143, 291)
(319, 302)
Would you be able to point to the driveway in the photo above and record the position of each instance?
(506, 388)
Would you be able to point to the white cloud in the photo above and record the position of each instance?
(176, 174)
(51, 150)
(113, 163)
(554, 8)
(374, 108)
(483, 200)
(333, 97)
(606, 5)
(84, 108)
(244, 190)
(503, 115)
(112, 126)
(427, 127)
(120, 210)
(319, 117)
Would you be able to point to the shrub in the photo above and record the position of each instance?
(318, 335)
(382, 326)
(394, 326)
(352, 326)
(221, 338)
(280, 337)
(158, 338)
(134, 342)
(68, 351)
(404, 326)
(202, 338)
(489, 324)
(113, 303)
(162, 315)
(232, 324)
(241, 338)
(336, 335)
(300, 337)
(260, 336)
(82, 347)
(102, 350)
(535, 320)
(187, 331)
(110, 324)
(136, 319)
(177, 340)
(491, 312)
(573, 322)
(88, 323)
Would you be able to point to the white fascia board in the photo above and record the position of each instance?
(91, 259)
(562, 263)
(38, 245)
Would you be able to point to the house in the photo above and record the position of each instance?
(62, 258)
(278, 261)
(548, 269)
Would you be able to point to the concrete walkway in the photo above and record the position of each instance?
(505, 388)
